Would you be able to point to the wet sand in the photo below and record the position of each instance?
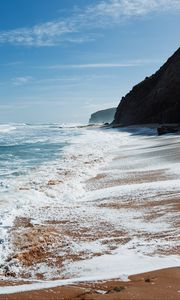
(152, 227)
(157, 285)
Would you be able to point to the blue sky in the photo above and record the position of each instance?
(61, 60)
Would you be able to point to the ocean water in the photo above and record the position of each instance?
(43, 165)
(43, 177)
(30, 155)
(24, 147)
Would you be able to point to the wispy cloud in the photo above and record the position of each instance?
(39, 35)
(116, 9)
(93, 66)
(131, 63)
(18, 81)
(103, 14)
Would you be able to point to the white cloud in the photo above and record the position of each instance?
(39, 35)
(93, 66)
(21, 80)
(131, 63)
(119, 8)
(103, 14)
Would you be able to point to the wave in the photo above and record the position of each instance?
(56, 191)
(5, 128)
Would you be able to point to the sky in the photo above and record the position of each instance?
(61, 60)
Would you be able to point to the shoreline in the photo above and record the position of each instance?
(146, 195)
(161, 284)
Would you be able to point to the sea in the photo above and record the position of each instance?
(44, 171)
(24, 147)
(45, 164)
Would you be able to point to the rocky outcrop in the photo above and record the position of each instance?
(154, 100)
(103, 116)
(168, 129)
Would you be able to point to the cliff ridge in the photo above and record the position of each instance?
(154, 100)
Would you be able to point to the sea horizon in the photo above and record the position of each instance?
(89, 150)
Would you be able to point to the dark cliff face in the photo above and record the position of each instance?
(154, 100)
(103, 116)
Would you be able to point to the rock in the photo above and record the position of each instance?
(147, 280)
(116, 289)
(103, 116)
(167, 129)
(154, 100)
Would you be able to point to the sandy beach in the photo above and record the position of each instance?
(161, 285)
(127, 224)
(89, 150)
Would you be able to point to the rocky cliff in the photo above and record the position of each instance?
(154, 100)
(103, 116)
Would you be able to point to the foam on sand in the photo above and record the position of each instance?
(117, 266)
(86, 225)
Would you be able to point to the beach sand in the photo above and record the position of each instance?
(157, 285)
(148, 199)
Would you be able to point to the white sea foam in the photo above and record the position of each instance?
(5, 128)
(117, 266)
(87, 154)
(120, 264)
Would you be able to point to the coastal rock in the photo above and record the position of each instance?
(103, 116)
(154, 100)
(168, 129)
